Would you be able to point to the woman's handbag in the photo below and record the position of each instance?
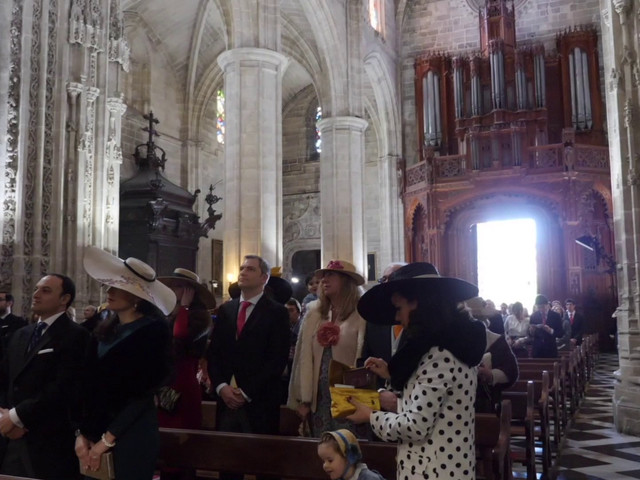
(106, 470)
(168, 399)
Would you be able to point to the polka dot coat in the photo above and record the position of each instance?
(434, 426)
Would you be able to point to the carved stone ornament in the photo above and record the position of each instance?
(606, 17)
(636, 76)
(628, 56)
(622, 7)
(633, 177)
(629, 114)
(615, 80)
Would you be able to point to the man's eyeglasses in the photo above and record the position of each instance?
(383, 279)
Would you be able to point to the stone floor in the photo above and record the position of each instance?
(592, 449)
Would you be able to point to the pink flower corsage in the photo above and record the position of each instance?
(328, 334)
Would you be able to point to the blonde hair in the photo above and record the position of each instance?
(349, 295)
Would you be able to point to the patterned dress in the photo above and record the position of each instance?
(434, 426)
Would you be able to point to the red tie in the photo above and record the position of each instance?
(242, 316)
(571, 317)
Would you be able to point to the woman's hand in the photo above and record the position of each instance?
(378, 366)
(187, 296)
(82, 451)
(303, 410)
(388, 401)
(362, 413)
(95, 455)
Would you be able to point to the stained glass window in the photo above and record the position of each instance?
(220, 116)
(318, 142)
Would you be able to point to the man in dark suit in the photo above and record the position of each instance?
(40, 383)
(576, 320)
(545, 327)
(9, 322)
(248, 352)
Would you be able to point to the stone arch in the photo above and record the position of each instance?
(387, 106)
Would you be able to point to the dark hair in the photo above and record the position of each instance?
(330, 439)
(68, 287)
(264, 266)
(295, 303)
(569, 300)
(309, 277)
(7, 296)
(106, 330)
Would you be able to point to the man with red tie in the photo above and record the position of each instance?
(248, 352)
(545, 327)
(576, 320)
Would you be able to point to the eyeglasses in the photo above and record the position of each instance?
(383, 279)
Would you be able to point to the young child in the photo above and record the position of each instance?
(341, 457)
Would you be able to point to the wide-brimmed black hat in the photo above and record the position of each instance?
(375, 305)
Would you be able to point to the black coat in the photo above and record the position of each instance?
(44, 388)
(256, 359)
(119, 394)
(544, 343)
(577, 327)
(8, 326)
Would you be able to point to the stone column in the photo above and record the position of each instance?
(620, 50)
(253, 155)
(341, 190)
(391, 216)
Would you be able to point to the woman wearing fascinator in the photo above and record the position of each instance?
(433, 372)
(129, 362)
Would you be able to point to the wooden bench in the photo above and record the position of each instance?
(493, 437)
(296, 457)
(541, 415)
(279, 456)
(289, 420)
(523, 426)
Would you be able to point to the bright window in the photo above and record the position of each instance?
(507, 261)
(220, 117)
(376, 15)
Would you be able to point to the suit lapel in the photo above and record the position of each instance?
(49, 335)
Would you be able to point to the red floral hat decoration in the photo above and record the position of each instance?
(345, 268)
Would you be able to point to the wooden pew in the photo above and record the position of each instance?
(493, 436)
(296, 457)
(541, 415)
(279, 456)
(556, 393)
(523, 425)
(289, 421)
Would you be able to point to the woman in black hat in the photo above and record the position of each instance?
(433, 369)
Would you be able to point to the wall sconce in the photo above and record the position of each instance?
(213, 285)
(231, 277)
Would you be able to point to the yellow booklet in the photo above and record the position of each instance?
(341, 388)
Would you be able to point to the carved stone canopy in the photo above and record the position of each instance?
(157, 220)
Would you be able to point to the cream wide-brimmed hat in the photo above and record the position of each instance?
(182, 275)
(131, 275)
(345, 268)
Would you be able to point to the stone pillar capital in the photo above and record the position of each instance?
(343, 123)
(265, 57)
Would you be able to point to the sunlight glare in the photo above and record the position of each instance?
(507, 261)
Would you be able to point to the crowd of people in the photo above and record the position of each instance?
(87, 392)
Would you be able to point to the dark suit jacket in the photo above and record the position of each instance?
(377, 343)
(577, 327)
(44, 388)
(256, 358)
(496, 325)
(10, 324)
(544, 343)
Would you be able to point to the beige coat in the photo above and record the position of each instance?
(305, 373)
